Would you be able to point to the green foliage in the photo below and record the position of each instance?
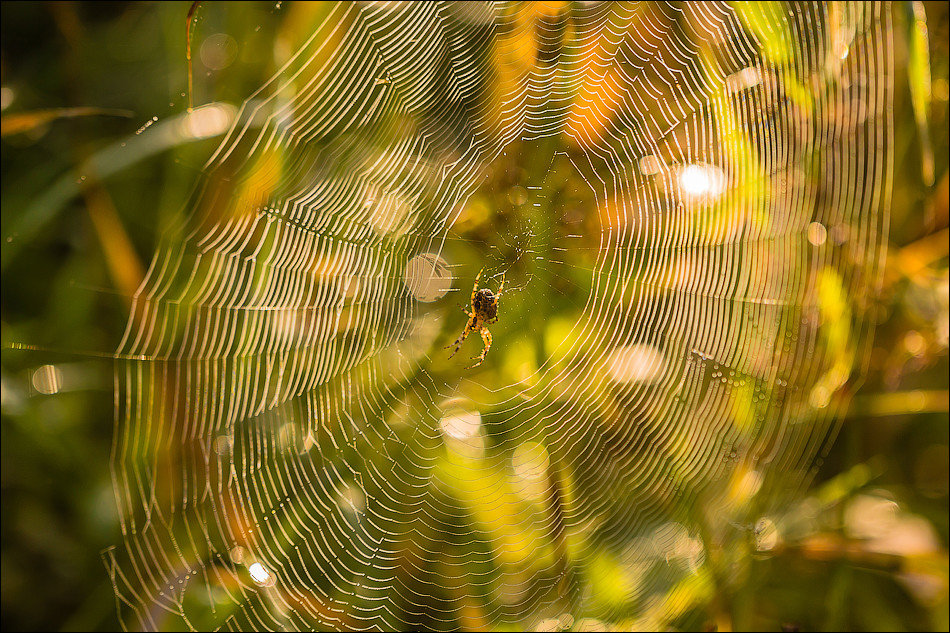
(86, 193)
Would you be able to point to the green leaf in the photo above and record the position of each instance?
(918, 74)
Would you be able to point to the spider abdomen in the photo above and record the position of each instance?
(485, 305)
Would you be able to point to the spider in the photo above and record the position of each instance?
(484, 311)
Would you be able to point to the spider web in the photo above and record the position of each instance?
(688, 204)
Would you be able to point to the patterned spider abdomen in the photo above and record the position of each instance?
(485, 305)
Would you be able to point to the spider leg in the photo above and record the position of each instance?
(475, 287)
(502, 286)
(461, 339)
(458, 343)
(486, 338)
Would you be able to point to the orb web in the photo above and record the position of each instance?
(687, 203)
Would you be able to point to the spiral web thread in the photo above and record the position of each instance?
(292, 449)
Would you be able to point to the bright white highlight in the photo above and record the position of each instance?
(260, 575)
(701, 181)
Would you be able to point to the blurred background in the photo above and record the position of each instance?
(99, 153)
